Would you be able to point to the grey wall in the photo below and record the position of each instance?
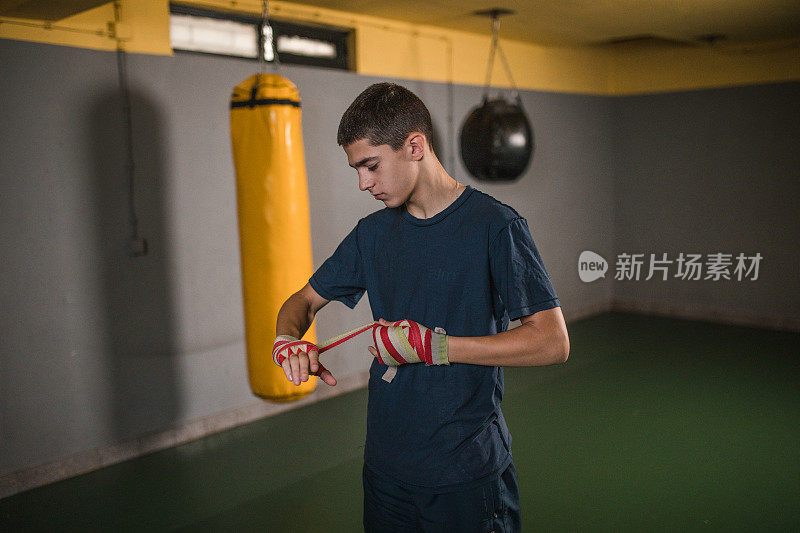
(96, 347)
(706, 172)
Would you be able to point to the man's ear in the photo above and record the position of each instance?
(416, 143)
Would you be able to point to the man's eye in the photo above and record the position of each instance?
(372, 168)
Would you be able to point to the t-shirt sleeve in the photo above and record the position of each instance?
(518, 272)
(341, 276)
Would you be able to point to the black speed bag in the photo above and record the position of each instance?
(497, 141)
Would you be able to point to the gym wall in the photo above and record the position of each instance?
(708, 172)
(98, 349)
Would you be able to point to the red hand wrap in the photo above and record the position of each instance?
(406, 341)
(285, 345)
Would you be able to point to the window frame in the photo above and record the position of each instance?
(341, 38)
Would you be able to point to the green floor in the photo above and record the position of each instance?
(653, 424)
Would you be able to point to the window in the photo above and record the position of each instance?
(213, 32)
(204, 34)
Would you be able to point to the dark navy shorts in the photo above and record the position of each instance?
(490, 506)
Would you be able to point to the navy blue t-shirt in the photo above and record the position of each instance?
(469, 269)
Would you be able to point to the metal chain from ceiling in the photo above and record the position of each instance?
(496, 48)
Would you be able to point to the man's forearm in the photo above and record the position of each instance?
(294, 317)
(530, 344)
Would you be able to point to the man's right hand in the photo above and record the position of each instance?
(299, 359)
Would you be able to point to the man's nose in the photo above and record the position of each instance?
(364, 181)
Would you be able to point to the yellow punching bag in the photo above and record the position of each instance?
(274, 225)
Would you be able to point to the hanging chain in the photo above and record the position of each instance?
(497, 48)
(264, 25)
(508, 70)
(495, 32)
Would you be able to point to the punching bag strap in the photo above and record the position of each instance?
(255, 101)
(254, 92)
(495, 15)
(495, 26)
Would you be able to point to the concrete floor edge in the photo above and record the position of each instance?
(88, 461)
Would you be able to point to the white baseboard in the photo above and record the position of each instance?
(83, 462)
(573, 314)
(709, 314)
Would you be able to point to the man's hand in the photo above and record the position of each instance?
(406, 341)
(299, 359)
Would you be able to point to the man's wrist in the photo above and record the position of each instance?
(440, 349)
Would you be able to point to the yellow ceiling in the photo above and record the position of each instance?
(558, 23)
(46, 9)
(591, 22)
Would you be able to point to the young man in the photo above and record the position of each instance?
(440, 255)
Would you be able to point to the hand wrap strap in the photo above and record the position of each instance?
(405, 341)
(286, 345)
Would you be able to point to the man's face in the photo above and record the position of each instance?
(388, 175)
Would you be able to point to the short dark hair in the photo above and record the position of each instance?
(385, 113)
